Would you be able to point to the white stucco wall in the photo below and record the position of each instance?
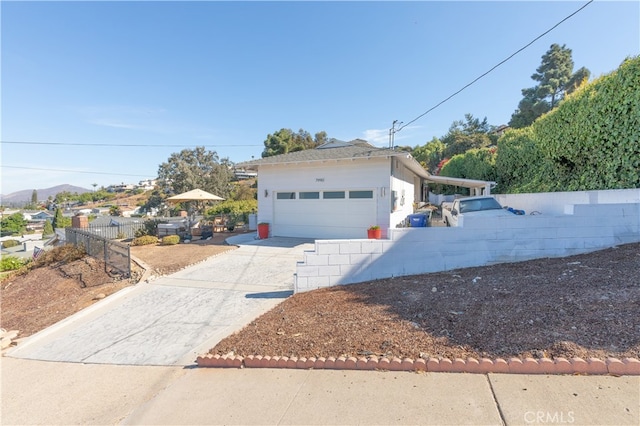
(580, 228)
(554, 202)
(372, 173)
(402, 181)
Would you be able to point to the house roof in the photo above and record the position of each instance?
(335, 149)
(360, 149)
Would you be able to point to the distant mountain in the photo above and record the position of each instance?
(24, 196)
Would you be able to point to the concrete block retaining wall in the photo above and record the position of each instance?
(580, 228)
(554, 202)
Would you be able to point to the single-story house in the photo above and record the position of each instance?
(38, 215)
(36, 219)
(340, 189)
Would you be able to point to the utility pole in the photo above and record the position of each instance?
(392, 133)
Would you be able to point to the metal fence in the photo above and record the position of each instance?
(115, 255)
(114, 232)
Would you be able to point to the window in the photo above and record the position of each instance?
(309, 195)
(332, 195)
(286, 195)
(360, 194)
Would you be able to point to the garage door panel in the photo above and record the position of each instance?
(323, 218)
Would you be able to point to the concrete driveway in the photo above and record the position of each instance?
(175, 318)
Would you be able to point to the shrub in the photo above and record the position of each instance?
(144, 240)
(590, 141)
(10, 243)
(150, 228)
(48, 228)
(170, 240)
(65, 253)
(520, 165)
(238, 208)
(12, 263)
(473, 164)
(592, 137)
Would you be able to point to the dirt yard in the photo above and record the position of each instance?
(587, 305)
(165, 260)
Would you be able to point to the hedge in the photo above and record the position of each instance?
(590, 141)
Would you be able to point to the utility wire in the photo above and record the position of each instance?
(495, 66)
(120, 145)
(72, 171)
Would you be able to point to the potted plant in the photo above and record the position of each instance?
(232, 222)
(263, 230)
(374, 232)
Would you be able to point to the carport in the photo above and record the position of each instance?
(476, 187)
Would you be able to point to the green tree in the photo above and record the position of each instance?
(64, 197)
(48, 228)
(115, 211)
(59, 221)
(196, 168)
(33, 204)
(553, 74)
(429, 154)
(578, 78)
(529, 108)
(155, 201)
(243, 192)
(286, 140)
(463, 135)
(86, 197)
(555, 78)
(320, 138)
(13, 224)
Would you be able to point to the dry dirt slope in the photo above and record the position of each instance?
(586, 305)
(46, 295)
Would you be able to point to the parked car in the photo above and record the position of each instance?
(472, 206)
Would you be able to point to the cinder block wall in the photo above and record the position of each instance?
(408, 251)
(555, 202)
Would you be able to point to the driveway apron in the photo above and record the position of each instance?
(175, 318)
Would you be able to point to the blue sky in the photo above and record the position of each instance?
(177, 75)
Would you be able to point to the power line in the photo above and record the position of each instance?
(120, 145)
(73, 171)
(495, 66)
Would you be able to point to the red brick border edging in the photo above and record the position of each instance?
(615, 366)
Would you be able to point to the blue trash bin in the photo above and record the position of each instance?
(418, 220)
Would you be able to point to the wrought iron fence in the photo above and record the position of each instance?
(114, 232)
(115, 255)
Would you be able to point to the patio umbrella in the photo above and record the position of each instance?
(197, 195)
(194, 195)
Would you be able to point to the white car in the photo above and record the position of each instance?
(472, 206)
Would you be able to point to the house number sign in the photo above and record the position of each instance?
(319, 179)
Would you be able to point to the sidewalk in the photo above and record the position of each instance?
(37, 392)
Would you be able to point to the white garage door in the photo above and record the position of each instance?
(324, 214)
